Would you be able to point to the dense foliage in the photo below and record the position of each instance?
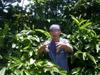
(24, 28)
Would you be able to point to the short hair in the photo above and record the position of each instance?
(54, 26)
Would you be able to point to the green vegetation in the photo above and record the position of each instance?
(24, 28)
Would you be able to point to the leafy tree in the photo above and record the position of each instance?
(23, 28)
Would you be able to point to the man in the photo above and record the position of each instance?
(57, 47)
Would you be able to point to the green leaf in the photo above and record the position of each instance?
(76, 71)
(82, 21)
(98, 1)
(43, 32)
(1, 41)
(85, 25)
(91, 58)
(84, 55)
(97, 48)
(78, 4)
(77, 53)
(26, 72)
(1, 57)
(2, 71)
(6, 29)
(75, 20)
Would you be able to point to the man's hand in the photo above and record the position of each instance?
(59, 46)
(67, 47)
(43, 48)
(46, 47)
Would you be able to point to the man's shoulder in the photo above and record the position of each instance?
(47, 41)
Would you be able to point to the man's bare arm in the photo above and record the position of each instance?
(42, 49)
(68, 48)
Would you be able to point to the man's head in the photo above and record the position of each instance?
(55, 30)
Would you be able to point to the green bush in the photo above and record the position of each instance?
(22, 30)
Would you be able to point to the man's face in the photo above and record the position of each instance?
(55, 32)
